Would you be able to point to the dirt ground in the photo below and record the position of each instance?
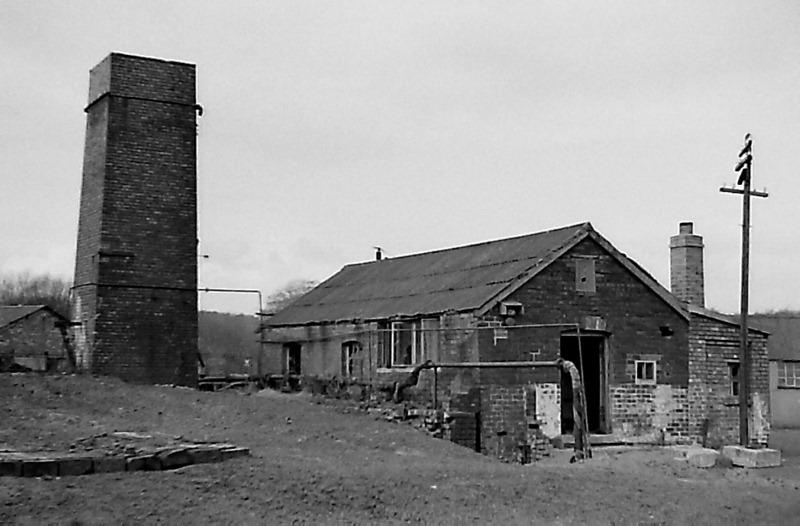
(320, 462)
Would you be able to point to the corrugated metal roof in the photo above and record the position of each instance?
(784, 339)
(461, 279)
(11, 313)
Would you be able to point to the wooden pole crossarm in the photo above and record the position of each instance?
(754, 193)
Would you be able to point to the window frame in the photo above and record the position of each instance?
(350, 350)
(417, 344)
(734, 378)
(643, 380)
(424, 340)
(784, 376)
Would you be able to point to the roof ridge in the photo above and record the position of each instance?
(584, 224)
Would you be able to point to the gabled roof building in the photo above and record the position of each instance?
(657, 365)
(32, 338)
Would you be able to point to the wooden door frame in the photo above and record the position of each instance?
(605, 395)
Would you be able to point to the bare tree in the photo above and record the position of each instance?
(41, 289)
(283, 297)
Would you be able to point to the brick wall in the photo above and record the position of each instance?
(633, 315)
(634, 318)
(517, 422)
(503, 421)
(713, 345)
(136, 262)
(657, 413)
(686, 265)
(34, 342)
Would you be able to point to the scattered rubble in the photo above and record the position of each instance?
(113, 452)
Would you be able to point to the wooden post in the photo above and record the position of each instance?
(745, 167)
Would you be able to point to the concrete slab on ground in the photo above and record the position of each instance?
(702, 457)
(752, 458)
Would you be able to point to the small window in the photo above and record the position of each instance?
(733, 377)
(291, 358)
(788, 374)
(584, 274)
(350, 356)
(645, 372)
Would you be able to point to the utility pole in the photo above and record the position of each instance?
(745, 169)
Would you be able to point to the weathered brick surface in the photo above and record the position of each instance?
(35, 342)
(503, 421)
(136, 263)
(714, 410)
(686, 266)
(517, 422)
(633, 315)
(659, 412)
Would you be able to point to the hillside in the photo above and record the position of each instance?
(228, 343)
(321, 462)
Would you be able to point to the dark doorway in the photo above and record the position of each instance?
(593, 374)
(291, 358)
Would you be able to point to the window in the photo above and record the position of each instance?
(645, 372)
(350, 356)
(407, 343)
(733, 376)
(584, 274)
(789, 374)
(291, 358)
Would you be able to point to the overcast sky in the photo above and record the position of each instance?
(331, 127)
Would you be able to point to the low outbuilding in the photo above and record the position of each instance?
(657, 365)
(32, 338)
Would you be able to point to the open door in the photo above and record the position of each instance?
(594, 376)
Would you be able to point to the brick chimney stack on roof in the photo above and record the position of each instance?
(686, 265)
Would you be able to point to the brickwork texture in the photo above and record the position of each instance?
(136, 264)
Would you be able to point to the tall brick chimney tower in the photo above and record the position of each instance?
(135, 293)
(686, 265)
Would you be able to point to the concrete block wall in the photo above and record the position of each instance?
(714, 409)
(136, 262)
(321, 349)
(321, 355)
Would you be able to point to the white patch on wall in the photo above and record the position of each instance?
(664, 406)
(548, 409)
(759, 419)
(80, 343)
